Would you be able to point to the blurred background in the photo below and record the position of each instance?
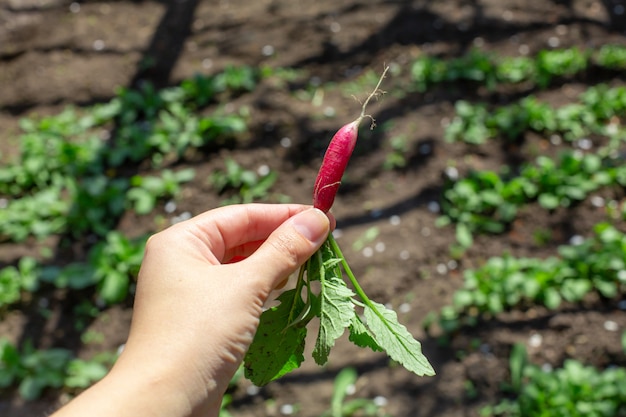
(487, 206)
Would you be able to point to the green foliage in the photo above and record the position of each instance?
(475, 124)
(396, 157)
(248, 185)
(35, 370)
(575, 390)
(16, 279)
(145, 191)
(111, 266)
(66, 177)
(278, 345)
(486, 202)
(506, 282)
(490, 70)
(342, 407)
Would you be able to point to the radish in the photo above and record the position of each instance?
(278, 345)
(337, 156)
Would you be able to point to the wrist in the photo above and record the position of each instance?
(129, 391)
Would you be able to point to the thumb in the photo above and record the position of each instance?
(289, 246)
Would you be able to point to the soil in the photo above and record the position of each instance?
(55, 53)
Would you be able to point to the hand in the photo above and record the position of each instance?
(200, 293)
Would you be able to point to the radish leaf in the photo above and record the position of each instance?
(361, 336)
(277, 347)
(395, 339)
(336, 307)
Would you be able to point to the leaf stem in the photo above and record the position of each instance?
(337, 250)
(298, 290)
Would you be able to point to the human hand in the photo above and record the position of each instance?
(196, 311)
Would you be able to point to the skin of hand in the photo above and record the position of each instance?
(200, 293)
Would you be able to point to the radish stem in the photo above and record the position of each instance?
(335, 246)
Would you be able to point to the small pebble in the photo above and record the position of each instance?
(597, 201)
(611, 326)
(285, 142)
(380, 401)
(170, 207)
(98, 45)
(252, 390)
(585, 144)
(433, 207)
(267, 50)
(452, 173)
(576, 240)
(404, 308)
(263, 170)
(535, 340)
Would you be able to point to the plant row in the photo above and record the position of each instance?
(491, 70)
(573, 390)
(70, 177)
(110, 267)
(598, 264)
(488, 202)
(598, 106)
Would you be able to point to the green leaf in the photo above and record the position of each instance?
(396, 340)
(336, 306)
(277, 347)
(343, 381)
(114, 287)
(464, 235)
(81, 373)
(361, 336)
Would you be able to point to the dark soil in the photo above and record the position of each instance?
(54, 53)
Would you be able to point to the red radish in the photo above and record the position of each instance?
(336, 158)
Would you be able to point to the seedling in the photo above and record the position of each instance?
(278, 345)
(248, 185)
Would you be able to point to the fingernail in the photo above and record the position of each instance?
(312, 224)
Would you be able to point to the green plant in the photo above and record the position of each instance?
(248, 185)
(575, 390)
(33, 370)
(486, 202)
(111, 265)
(506, 282)
(475, 124)
(340, 406)
(396, 157)
(491, 70)
(16, 279)
(145, 191)
(612, 57)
